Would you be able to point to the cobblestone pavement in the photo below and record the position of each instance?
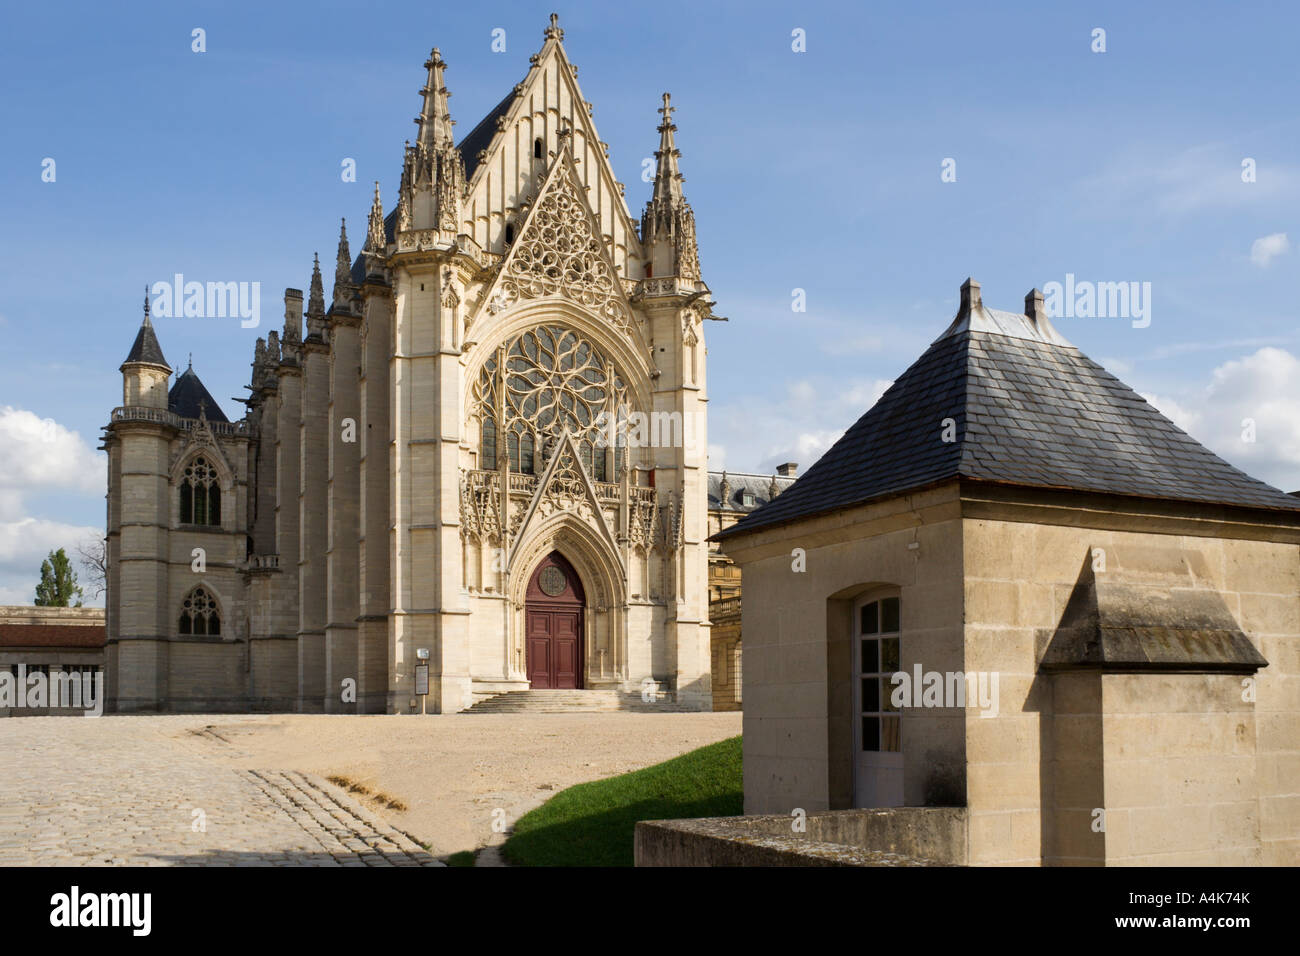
(161, 791)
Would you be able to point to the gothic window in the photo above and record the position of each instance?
(526, 464)
(510, 233)
(199, 614)
(537, 149)
(488, 455)
(548, 381)
(200, 494)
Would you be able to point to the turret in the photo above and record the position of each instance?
(145, 371)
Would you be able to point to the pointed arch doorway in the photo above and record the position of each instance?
(554, 625)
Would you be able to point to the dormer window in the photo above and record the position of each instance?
(747, 499)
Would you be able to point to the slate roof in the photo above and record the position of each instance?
(188, 394)
(760, 486)
(479, 137)
(146, 348)
(1029, 409)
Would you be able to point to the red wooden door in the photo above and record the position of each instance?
(553, 619)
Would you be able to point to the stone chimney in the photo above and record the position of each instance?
(1036, 312)
(791, 468)
(970, 298)
(292, 317)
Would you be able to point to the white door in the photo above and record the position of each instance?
(877, 726)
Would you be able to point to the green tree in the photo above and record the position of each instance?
(58, 587)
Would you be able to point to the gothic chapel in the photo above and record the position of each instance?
(423, 474)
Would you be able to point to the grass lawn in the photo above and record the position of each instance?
(591, 824)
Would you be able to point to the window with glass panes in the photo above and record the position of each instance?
(877, 663)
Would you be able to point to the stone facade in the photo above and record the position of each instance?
(435, 433)
(731, 497)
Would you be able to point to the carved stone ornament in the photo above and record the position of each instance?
(560, 253)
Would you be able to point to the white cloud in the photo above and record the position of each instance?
(38, 456)
(24, 544)
(1267, 248)
(1200, 179)
(1261, 389)
(1185, 418)
(1116, 366)
(760, 433)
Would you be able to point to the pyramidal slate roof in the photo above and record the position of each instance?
(478, 139)
(188, 395)
(146, 349)
(1027, 409)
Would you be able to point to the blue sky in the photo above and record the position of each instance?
(817, 170)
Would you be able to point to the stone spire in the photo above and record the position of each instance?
(435, 120)
(433, 173)
(376, 242)
(316, 303)
(668, 224)
(343, 287)
(668, 176)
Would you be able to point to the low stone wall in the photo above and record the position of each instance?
(898, 836)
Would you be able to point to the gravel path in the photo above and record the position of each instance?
(255, 790)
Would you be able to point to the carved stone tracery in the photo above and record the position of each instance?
(561, 253)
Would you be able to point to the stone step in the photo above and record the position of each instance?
(575, 701)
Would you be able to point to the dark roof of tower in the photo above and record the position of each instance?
(188, 395)
(481, 135)
(146, 349)
(1027, 409)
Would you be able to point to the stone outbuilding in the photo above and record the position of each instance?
(57, 642)
(1016, 588)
